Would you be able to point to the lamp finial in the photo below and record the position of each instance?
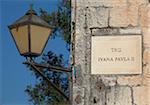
(31, 5)
(31, 11)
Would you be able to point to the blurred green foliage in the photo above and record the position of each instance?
(60, 19)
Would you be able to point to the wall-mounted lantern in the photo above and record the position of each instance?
(30, 34)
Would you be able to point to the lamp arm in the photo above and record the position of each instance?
(35, 68)
(50, 68)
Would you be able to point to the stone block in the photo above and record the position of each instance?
(82, 53)
(109, 80)
(79, 76)
(141, 95)
(104, 31)
(80, 21)
(118, 17)
(132, 15)
(111, 96)
(123, 17)
(146, 75)
(80, 50)
(144, 12)
(118, 96)
(146, 56)
(86, 81)
(97, 17)
(78, 96)
(146, 35)
(146, 80)
(130, 80)
(87, 92)
(146, 71)
(132, 30)
(97, 97)
(137, 2)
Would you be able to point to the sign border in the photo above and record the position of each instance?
(115, 35)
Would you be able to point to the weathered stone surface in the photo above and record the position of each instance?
(109, 3)
(111, 96)
(87, 95)
(105, 3)
(78, 99)
(146, 75)
(108, 80)
(123, 17)
(86, 80)
(146, 56)
(80, 52)
(78, 96)
(130, 80)
(137, 2)
(146, 34)
(119, 96)
(144, 12)
(146, 70)
(136, 30)
(80, 21)
(97, 98)
(146, 80)
(99, 86)
(104, 31)
(86, 84)
(132, 30)
(141, 95)
(118, 17)
(78, 76)
(97, 17)
(88, 54)
(132, 15)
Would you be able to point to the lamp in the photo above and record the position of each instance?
(30, 34)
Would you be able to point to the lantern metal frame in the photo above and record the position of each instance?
(27, 20)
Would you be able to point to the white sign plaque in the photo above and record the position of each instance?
(118, 54)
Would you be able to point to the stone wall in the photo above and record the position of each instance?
(99, 17)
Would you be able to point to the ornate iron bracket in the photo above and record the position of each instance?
(38, 67)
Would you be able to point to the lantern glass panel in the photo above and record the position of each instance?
(20, 35)
(39, 37)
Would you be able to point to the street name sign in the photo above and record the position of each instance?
(116, 54)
